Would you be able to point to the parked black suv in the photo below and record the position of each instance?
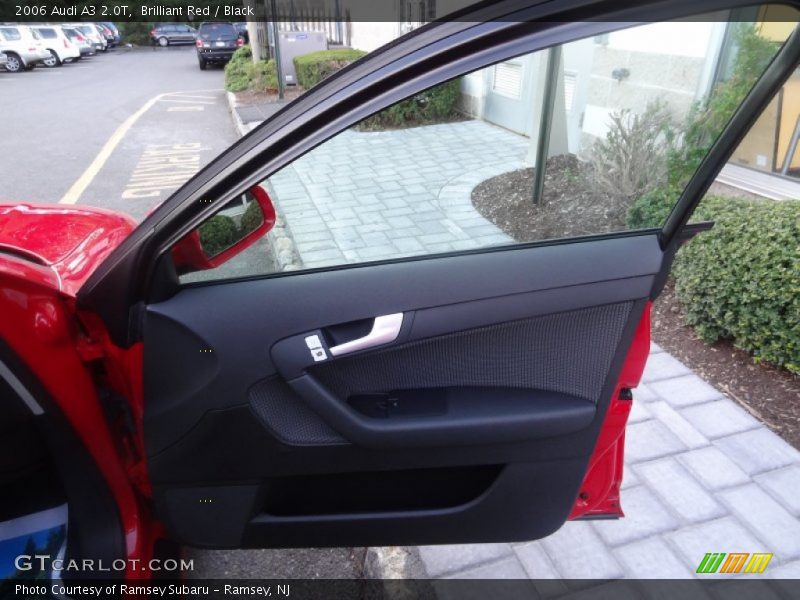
(216, 42)
(172, 33)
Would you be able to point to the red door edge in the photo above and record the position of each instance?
(40, 327)
(599, 494)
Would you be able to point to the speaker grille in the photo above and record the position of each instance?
(288, 416)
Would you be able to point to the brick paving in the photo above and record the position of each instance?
(365, 196)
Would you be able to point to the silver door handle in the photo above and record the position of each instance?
(385, 329)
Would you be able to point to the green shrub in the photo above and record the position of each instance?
(237, 71)
(243, 54)
(217, 234)
(252, 218)
(241, 73)
(652, 208)
(263, 75)
(440, 103)
(313, 68)
(136, 32)
(741, 280)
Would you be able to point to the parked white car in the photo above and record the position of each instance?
(91, 33)
(22, 47)
(61, 49)
(85, 47)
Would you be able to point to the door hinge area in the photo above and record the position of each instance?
(89, 349)
(120, 418)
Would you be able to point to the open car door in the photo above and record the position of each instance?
(470, 393)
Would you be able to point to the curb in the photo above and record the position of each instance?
(281, 243)
(396, 565)
(233, 104)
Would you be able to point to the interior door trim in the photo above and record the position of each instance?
(385, 330)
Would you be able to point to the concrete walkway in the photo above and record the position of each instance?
(372, 195)
(702, 475)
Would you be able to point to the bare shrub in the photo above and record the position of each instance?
(632, 159)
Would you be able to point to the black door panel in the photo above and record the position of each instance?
(493, 504)
(249, 317)
(487, 405)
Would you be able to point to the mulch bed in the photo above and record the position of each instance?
(570, 207)
(260, 97)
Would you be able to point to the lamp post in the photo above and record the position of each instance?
(546, 121)
(277, 41)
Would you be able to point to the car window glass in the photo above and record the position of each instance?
(215, 31)
(468, 164)
(47, 33)
(11, 33)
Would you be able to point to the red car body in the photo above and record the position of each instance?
(46, 253)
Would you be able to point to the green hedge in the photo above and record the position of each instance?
(440, 103)
(252, 218)
(241, 73)
(437, 104)
(741, 280)
(237, 71)
(313, 68)
(136, 32)
(264, 76)
(653, 208)
(217, 234)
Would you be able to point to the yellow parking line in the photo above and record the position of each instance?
(74, 193)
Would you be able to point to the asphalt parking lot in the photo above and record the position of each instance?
(123, 130)
(98, 132)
